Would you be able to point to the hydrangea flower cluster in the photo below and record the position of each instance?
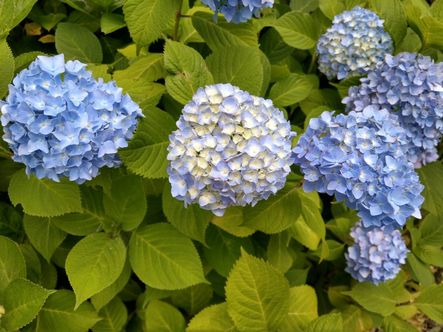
(230, 149)
(60, 122)
(360, 158)
(353, 45)
(412, 86)
(376, 255)
(238, 11)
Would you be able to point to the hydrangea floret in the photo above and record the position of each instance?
(61, 122)
(238, 11)
(360, 158)
(410, 85)
(353, 45)
(376, 255)
(230, 149)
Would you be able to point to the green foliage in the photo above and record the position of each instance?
(119, 253)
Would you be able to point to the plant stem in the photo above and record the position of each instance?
(178, 16)
(313, 62)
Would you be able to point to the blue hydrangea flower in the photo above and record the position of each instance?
(377, 254)
(410, 85)
(353, 45)
(238, 11)
(60, 122)
(230, 148)
(360, 158)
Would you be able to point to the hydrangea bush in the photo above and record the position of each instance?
(229, 165)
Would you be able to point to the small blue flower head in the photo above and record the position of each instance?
(410, 85)
(353, 45)
(238, 11)
(230, 149)
(360, 158)
(60, 122)
(377, 254)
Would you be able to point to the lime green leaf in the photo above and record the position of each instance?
(94, 263)
(78, 43)
(163, 317)
(431, 230)
(146, 153)
(278, 253)
(212, 319)
(302, 309)
(6, 67)
(12, 262)
(126, 204)
(292, 89)
(163, 258)
(326, 323)
(332, 8)
(192, 221)
(114, 317)
(110, 22)
(22, 301)
(257, 295)
(298, 30)
(276, 213)
(430, 302)
(148, 19)
(222, 35)
(395, 324)
(378, 299)
(43, 234)
(143, 68)
(44, 198)
(58, 314)
(236, 65)
(394, 15)
(192, 299)
(420, 271)
(431, 176)
(233, 222)
(189, 71)
(12, 13)
(356, 319)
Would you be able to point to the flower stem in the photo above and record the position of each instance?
(178, 16)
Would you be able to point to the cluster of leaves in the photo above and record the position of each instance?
(120, 253)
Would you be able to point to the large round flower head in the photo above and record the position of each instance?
(230, 149)
(360, 159)
(412, 86)
(60, 122)
(238, 11)
(376, 255)
(353, 45)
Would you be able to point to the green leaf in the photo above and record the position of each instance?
(110, 22)
(430, 302)
(147, 67)
(298, 30)
(163, 258)
(221, 35)
(188, 69)
(6, 67)
(278, 253)
(114, 317)
(192, 299)
(420, 271)
(146, 153)
(126, 203)
(332, 8)
(395, 17)
(22, 301)
(78, 43)
(395, 324)
(257, 295)
(212, 319)
(233, 222)
(148, 19)
(12, 13)
(224, 250)
(431, 175)
(356, 319)
(431, 230)
(292, 89)
(43, 234)
(410, 43)
(326, 323)
(378, 299)
(302, 309)
(44, 198)
(276, 213)
(192, 221)
(163, 317)
(236, 65)
(58, 314)
(12, 262)
(94, 263)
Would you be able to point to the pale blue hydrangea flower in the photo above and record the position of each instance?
(353, 45)
(410, 85)
(238, 11)
(230, 149)
(360, 158)
(376, 255)
(60, 122)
